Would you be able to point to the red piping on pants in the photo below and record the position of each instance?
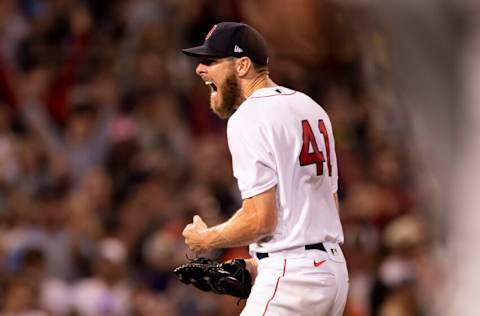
(276, 285)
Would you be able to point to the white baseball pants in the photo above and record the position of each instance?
(301, 282)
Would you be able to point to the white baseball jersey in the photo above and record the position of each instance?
(282, 137)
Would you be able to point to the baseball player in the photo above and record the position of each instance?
(283, 156)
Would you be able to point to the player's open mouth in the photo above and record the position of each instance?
(212, 86)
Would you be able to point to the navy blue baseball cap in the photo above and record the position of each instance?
(232, 39)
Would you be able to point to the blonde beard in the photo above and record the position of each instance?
(228, 98)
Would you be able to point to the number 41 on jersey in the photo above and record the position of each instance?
(316, 156)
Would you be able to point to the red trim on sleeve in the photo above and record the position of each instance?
(276, 286)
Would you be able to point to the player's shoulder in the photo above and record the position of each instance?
(277, 95)
(273, 104)
(271, 93)
(262, 100)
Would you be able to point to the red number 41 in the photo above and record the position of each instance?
(316, 157)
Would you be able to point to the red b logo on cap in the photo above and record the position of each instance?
(210, 32)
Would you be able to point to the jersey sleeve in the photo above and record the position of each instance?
(252, 159)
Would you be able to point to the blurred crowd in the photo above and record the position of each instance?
(108, 148)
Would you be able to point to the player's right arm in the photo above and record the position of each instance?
(255, 220)
(255, 170)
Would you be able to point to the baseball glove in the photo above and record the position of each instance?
(230, 278)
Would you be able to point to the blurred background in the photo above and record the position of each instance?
(108, 148)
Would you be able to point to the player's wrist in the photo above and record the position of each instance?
(207, 238)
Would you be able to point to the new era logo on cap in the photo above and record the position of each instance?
(237, 49)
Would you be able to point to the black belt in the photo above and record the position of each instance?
(317, 246)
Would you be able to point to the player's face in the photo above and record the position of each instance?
(220, 76)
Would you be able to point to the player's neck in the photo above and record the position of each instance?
(259, 82)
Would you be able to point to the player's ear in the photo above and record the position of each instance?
(243, 65)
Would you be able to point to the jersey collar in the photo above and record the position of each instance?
(269, 91)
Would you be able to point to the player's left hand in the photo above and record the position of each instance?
(194, 234)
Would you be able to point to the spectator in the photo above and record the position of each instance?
(107, 291)
(54, 293)
(20, 298)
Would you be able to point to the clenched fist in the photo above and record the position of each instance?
(195, 235)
